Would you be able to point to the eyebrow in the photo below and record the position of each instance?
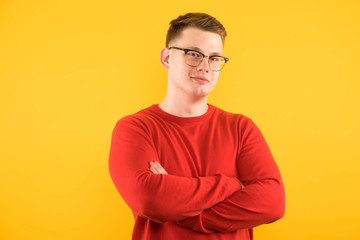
(210, 54)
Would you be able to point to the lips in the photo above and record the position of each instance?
(200, 79)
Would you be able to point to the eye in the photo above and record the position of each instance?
(194, 54)
(216, 59)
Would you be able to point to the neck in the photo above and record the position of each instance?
(184, 107)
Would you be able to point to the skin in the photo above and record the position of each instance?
(187, 93)
(156, 168)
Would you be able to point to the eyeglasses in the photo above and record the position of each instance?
(194, 58)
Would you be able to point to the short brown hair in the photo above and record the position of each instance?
(201, 21)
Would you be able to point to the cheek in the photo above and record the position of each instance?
(181, 68)
(177, 71)
(215, 76)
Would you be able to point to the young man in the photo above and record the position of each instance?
(187, 169)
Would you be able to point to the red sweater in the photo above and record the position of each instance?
(207, 158)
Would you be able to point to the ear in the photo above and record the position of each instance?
(164, 57)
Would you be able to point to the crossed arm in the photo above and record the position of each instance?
(156, 168)
(159, 197)
(221, 217)
(261, 201)
(204, 204)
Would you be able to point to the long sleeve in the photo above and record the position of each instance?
(160, 198)
(261, 201)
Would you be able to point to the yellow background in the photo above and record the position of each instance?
(70, 69)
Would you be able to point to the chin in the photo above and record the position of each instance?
(201, 92)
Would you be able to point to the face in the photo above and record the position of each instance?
(185, 80)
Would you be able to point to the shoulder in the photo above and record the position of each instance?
(229, 117)
(243, 125)
(142, 119)
(134, 129)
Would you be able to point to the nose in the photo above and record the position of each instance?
(204, 64)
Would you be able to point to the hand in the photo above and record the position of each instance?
(156, 168)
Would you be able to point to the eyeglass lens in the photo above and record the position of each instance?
(194, 59)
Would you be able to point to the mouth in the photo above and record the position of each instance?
(201, 80)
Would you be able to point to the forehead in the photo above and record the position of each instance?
(197, 39)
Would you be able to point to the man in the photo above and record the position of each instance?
(187, 169)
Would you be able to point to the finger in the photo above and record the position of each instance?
(153, 168)
(156, 168)
(160, 169)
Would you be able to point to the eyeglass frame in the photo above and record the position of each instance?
(186, 50)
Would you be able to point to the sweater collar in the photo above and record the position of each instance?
(183, 120)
